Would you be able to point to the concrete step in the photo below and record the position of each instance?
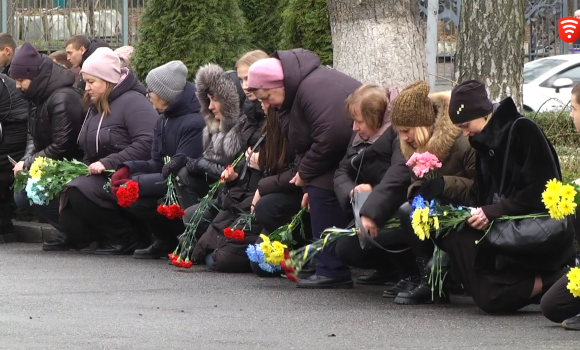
(33, 232)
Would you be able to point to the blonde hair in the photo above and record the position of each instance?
(102, 103)
(371, 101)
(250, 58)
(422, 134)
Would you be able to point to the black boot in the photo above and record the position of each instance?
(422, 294)
(404, 285)
(159, 249)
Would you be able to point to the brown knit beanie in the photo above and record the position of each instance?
(413, 107)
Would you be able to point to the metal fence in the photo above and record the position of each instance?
(541, 37)
(49, 23)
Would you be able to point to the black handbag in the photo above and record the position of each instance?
(525, 236)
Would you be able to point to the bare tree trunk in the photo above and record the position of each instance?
(490, 46)
(378, 41)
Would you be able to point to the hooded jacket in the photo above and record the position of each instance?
(14, 121)
(314, 117)
(124, 135)
(55, 123)
(222, 139)
(453, 151)
(94, 44)
(178, 131)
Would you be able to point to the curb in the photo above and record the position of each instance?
(33, 232)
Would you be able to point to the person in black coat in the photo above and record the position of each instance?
(374, 163)
(240, 134)
(178, 134)
(500, 282)
(56, 115)
(13, 134)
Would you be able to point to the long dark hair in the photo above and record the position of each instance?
(272, 156)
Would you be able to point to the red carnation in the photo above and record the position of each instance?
(172, 256)
(228, 233)
(177, 262)
(187, 264)
(128, 194)
(238, 235)
(162, 209)
(172, 211)
(289, 271)
(286, 254)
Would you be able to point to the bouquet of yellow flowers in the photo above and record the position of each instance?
(46, 178)
(273, 251)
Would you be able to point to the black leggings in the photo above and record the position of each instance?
(558, 304)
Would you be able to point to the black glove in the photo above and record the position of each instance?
(175, 164)
(432, 189)
(190, 165)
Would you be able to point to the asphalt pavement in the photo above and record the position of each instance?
(67, 300)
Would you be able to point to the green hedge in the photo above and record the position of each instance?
(305, 24)
(263, 18)
(561, 132)
(195, 32)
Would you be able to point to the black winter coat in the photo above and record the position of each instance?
(178, 131)
(93, 45)
(528, 170)
(124, 135)
(14, 121)
(315, 120)
(55, 122)
(383, 167)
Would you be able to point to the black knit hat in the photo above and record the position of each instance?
(469, 101)
(26, 63)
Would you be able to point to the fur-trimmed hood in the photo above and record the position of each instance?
(222, 139)
(444, 132)
(212, 78)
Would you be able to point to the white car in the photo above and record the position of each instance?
(548, 82)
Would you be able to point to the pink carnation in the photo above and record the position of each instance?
(423, 163)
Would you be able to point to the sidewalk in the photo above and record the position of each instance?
(33, 232)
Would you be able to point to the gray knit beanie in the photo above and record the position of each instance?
(168, 80)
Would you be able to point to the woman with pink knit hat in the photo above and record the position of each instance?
(118, 128)
(311, 99)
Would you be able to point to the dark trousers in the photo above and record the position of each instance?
(48, 212)
(325, 212)
(400, 258)
(6, 226)
(84, 221)
(421, 249)
(277, 209)
(159, 226)
(190, 188)
(501, 292)
(558, 304)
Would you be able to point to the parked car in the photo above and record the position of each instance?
(548, 82)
